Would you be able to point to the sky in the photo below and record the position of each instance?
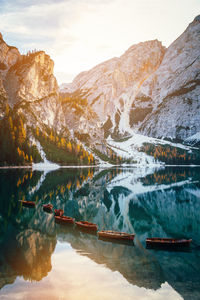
(79, 34)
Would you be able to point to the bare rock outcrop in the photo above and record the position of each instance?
(148, 89)
(174, 89)
(110, 85)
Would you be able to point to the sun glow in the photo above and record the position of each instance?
(80, 34)
(76, 277)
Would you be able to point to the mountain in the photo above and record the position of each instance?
(32, 112)
(28, 80)
(8, 56)
(149, 89)
(111, 85)
(148, 94)
(174, 89)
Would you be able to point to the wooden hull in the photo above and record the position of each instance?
(28, 204)
(165, 243)
(64, 220)
(47, 208)
(86, 226)
(115, 235)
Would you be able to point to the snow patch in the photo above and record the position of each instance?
(192, 140)
(129, 148)
(46, 165)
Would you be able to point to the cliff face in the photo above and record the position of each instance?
(110, 86)
(28, 86)
(148, 89)
(31, 78)
(32, 88)
(174, 89)
(8, 56)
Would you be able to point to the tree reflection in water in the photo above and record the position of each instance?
(147, 202)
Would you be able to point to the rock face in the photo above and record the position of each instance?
(27, 85)
(8, 56)
(174, 89)
(148, 89)
(31, 78)
(110, 86)
(83, 122)
(31, 81)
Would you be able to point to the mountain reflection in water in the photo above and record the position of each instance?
(147, 202)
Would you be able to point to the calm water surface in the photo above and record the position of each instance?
(42, 260)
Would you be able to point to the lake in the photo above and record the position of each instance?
(43, 260)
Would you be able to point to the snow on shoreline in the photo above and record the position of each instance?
(129, 149)
(126, 149)
(123, 166)
(46, 165)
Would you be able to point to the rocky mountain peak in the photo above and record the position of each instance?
(8, 56)
(28, 80)
(44, 61)
(175, 87)
(149, 87)
(31, 78)
(106, 83)
(196, 20)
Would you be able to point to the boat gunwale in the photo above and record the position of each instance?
(86, 224)
(170, 241)
(64, 219)
(115, 234)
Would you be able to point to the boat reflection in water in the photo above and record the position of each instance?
(56, 261)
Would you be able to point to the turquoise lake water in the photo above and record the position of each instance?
(43, 260)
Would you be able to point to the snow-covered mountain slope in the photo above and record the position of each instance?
(130, 148)
(194, 139)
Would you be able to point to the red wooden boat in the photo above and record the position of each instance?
(63, 220)
(167, 243)
(87, 226)
(48, 207)
(27, 203)
(58, 212)
(116, 235)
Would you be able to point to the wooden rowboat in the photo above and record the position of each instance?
(48, 207)
(63, 220)
(87, 226)
(167, 243)
(58, 212)
(115, 235)
(27, 203)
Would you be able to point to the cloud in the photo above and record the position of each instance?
(79, 34)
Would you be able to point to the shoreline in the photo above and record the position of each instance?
(98, 166)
